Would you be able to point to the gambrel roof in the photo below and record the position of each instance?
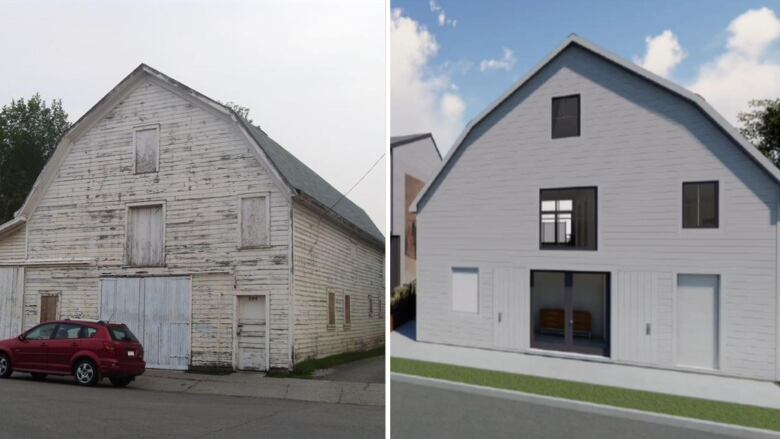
(293, 176)
(753, 153)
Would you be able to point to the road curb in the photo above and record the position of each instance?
(551, 401)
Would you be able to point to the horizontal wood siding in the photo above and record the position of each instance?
(12, 246)
(205, 166)
(77, 288)
(330, 259)
(638, 145)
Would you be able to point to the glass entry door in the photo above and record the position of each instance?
(570, 311)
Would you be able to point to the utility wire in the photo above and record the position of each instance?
(344, 195)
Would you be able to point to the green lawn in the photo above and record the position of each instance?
(749, 416)
(305, 369)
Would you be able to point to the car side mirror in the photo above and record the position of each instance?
(21, 337)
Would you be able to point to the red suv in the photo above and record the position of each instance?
(86, 349)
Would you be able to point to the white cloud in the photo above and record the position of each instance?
(506, 62)
(747, 69)
(260, 56)
(663, 54)
(423, 98)
(441, 14)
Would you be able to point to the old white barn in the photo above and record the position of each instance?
(164, 209)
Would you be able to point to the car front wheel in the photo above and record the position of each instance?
(5, 366)
(86, 373)
(120, 381)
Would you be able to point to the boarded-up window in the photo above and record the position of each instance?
(465, 289)
(49, 308)
(145, 242)
(347, 311)
(370, 306)
(331, 309)
(147, 150)
(254, 221)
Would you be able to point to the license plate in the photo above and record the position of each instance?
(131, 353)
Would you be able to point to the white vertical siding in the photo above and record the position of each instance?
(511, 288)
(11, 290)
(638, 145)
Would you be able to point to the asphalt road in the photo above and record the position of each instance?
(58, 408)
(369, 370)
(421, 411)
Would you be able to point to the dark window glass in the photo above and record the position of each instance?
(67, 331)
(568, 218)
(43, 332)
(566, 116)
(700, 204)
(122, 333)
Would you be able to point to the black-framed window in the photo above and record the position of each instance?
(567, 218)
(700, 205)
(566, 116)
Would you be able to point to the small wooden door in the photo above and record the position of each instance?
(252, 333)
(49, 308)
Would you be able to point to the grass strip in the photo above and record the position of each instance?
(306, 368)
(723, 412)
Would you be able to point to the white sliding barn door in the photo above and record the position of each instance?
(11, 292)
(697, 305)
(511, 308)
(633, 311)
(158, 310)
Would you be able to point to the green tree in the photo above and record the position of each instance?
(761, 126)
(29, 131)
(241, 110)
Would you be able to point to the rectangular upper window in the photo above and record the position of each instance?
(465, 290)
(568, 218)
(700, 205)
(566, 116)
(145, 245)
(254, 222)
(147, 149)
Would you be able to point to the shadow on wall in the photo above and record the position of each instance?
(403, 305)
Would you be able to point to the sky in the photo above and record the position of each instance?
(452, 59)
(312, 73)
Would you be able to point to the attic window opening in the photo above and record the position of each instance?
(147, 149)
(566, 116)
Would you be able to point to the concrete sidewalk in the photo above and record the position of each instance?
(735, 390)
(255, 385)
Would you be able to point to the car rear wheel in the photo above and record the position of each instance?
(38, 376)
(86, 373)
(120, 381)
(5, 366)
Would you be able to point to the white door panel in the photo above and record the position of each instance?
(11, 290)
(252, 332)
(697, 320)
(511, 293)
(157, 310)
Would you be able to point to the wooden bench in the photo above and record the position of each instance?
(553, 321)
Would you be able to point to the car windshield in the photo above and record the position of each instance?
(121, 333)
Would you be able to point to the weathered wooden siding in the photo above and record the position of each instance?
(77, 288)
(638, 144)
(212, 319)
(328, 259)
(205, 165)
(12, 246)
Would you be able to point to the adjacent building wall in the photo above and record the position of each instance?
(413, 164)
(12, 246)
(328, 258)
(638, 144)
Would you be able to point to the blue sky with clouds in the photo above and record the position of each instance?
(481, 48)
